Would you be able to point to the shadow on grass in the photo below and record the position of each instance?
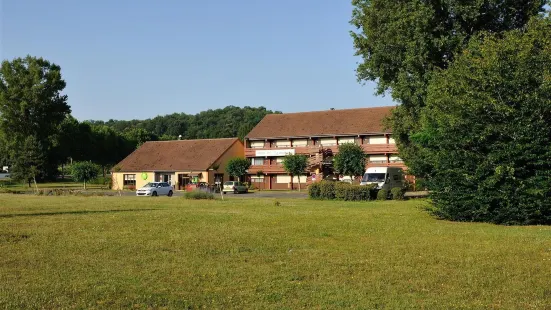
(73, 212)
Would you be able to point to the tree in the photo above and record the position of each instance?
(28, 161)
(31, 105)
(84, 171)
(404, 43)
(350, 160)
(486, 128)
(295, 165)
(109, 146)
(138, 136)
(238, 167)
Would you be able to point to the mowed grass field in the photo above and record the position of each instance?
(128, 252)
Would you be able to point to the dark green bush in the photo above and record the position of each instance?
(314, 190)
(397, 193)
(327, 190)
(382, 194)
(198, 195)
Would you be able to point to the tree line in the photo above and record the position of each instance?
(38, 135)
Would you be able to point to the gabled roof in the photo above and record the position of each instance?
(177, 155)
(322, 123)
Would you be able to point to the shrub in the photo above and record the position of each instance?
(327, 190)
(314, 190)
(349, 192)
(397, 193)
(101, 180)
(199, 195)
(382, 194)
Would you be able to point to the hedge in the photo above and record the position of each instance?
(199, 195)
(328, 190)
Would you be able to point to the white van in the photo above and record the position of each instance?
(385, 177)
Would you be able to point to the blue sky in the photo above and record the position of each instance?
(128, 59)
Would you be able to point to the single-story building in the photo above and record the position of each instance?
(179, 162)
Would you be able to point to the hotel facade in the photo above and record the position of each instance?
(318, 136)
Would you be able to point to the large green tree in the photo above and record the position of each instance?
(295, 165)
(237, 167)
(350, 160)
(403, 43)
(486, 128)
(32, 105)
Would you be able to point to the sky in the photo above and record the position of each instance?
(135, 59)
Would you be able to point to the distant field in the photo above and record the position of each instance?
(128, 252)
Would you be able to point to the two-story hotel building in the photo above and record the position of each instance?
(317, 135)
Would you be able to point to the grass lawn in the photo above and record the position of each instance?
(124, 252)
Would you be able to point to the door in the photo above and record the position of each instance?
(183, 181)
(166, 188)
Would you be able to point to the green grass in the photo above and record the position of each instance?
(124, 252)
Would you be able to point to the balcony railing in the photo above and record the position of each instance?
(396, 164)
(266, 169)
(313, 149)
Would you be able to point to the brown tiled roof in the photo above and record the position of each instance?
(183, 155)
(321, 123)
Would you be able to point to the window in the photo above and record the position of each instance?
(257, 161)
(283, 179)
(377, 140)
(283, 143)
(279, 160)
(257, 179)
(287, 179)
(300, 142)
(391, 141)
(344, 140)
(129, 179)
(396, 159)
(328, 142)
(379, 159)
(396, 177)
(218, 178)
(303, 179)
(257, 144)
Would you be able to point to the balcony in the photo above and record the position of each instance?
(380, 148)
(314, 149)
(396, 164)
(266, 169)
(305, 150)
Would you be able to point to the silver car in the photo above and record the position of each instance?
(156, 189)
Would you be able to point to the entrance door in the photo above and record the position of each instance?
(183, 181)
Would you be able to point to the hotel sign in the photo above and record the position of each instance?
(283, 152)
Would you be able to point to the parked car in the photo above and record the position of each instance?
(234, 187)
(156, 189)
